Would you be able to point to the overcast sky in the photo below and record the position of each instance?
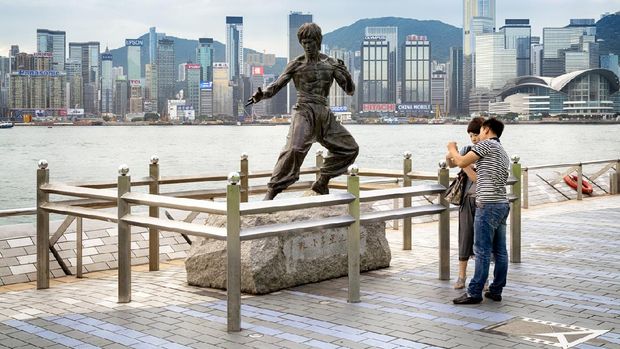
(265, 21)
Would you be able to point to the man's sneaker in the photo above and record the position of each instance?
(495, 297)
(466, 299)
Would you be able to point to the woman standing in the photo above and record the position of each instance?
(467, 209)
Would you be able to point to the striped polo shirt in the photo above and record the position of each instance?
(492, 171)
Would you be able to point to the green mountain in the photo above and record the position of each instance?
(441, 35)
(608, 34)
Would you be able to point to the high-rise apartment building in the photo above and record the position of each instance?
(88, 53)
(578, 36)
(478, 18)
(416, 70)
(455, 81)
(37, 90)
(151, 93)
(121, 94)
(438, 92)
(54, 41)
(192, 85)
(234, 46)
(517, 35)
(337, 97)
(206, 99)
(134, 66)
(24, 61)
(42, 61)
(391, 36)
(135, 96)
(295, 21)
(75, 91)
(12, 56)
(204, 57)
(107, 83)
(165, 73)
(496, 63)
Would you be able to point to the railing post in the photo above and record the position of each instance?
(618, 176)
(515, 214)
(245, 180)
(580, 182)
(353, 236)
(78, 247)
(526, 185)
(407, 200)
(233, 253)
(124, 237)
(43, 228)
(318, 160)
(154, 212)
(444, 224)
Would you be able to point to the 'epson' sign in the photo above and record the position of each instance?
(134, 42)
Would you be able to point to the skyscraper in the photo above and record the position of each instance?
(73, 68)
(455, 96)
(295, 21)
(517, 35)
(204, 57)
(391, 36)
(576, 37)
(134, 67)
(222, 91)
(88, 53)
(12, 56)
(54, 41)
(478, 18)
(610, 62)
(234, 46)
(165, 73)
(375, 78)
(192, 85)
(416, 70)
(536, 55)
(107, 83)
(496, 64)
(152, 45)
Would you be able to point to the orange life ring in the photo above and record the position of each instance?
(571, 180)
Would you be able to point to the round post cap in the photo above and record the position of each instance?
(319, 152)
(123, 170)
(42, 164)
(407, 155)
(234, 178)
(515, 159)
(443, 164)
(354, 170)
(154, 159)
(244, 156)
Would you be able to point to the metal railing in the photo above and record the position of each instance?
(570, 168)
(236, 207)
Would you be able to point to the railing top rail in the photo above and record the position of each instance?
(596, 162)
(401, 213)
(89, 193)
(427, 176)
(380, 173)
(135, 182)
(80, 212)
(400, 192)
(269, 173)
(177, 203)
(192, 179)
(18, 212)
(258, 207)
(538, 167)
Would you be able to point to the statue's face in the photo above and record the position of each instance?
(311, 46)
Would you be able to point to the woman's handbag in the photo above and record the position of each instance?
(454, 193)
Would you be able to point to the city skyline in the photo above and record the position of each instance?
(207, 18)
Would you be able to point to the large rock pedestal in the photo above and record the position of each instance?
(290, 259)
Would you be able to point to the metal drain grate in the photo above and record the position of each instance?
(544, 332)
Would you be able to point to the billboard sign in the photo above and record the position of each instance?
(192, 66)
(375, 37)
(417, 108)
(38, 72)
(206, 85)
(75, 111)
(43, 54)
(379, 107)
(134, 42)
(258, 71)
(134, 83)
(185, 107)
(339, 109)
(106, 56)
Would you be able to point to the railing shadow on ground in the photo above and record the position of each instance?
(89, 198)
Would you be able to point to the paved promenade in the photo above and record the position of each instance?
(566, 293)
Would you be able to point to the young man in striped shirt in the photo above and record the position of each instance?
(492, 166)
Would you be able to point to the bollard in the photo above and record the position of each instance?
(515, 214)
(244, 173)
(444, 224)
(43, 228)
(353, 235)
(233, 253)
(154, 212)
(124, 237)
(407, 200)
(318, 160)
(580, 182)
(78, 242)
(526, 185)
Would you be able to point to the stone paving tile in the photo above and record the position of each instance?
(569, 274)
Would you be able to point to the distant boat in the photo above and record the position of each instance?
(6, 124)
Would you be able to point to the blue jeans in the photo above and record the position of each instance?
(490, 237)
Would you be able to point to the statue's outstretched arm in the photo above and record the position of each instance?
(275, 86)
(343, 78)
